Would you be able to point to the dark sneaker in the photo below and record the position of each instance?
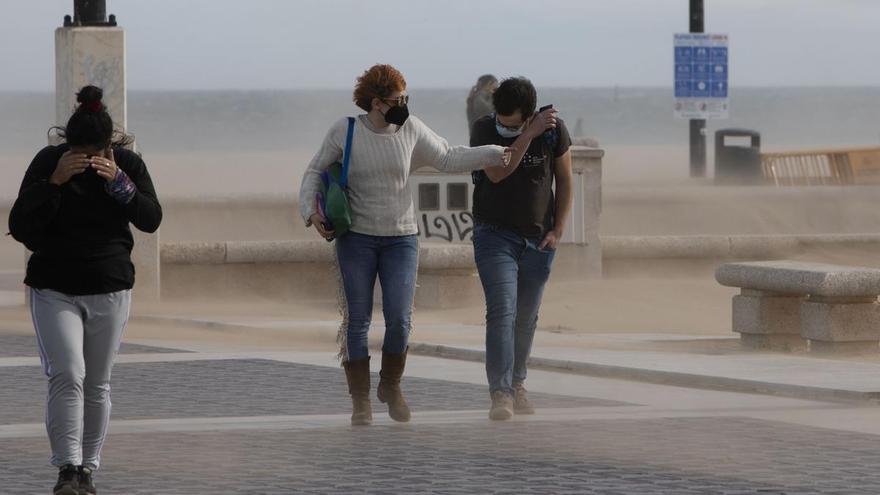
(68, 481)
(86, 485)
(521, 403)
(502, 406)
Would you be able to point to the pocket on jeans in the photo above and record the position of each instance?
(548, 253)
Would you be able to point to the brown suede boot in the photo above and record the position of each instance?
(388, 390)
(358, 375)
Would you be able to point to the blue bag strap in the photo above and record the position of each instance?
(346, 154)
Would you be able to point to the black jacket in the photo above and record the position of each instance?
(79, 235)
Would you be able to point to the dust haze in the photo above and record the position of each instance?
(235, 177)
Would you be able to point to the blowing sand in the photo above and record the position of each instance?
(652, 297)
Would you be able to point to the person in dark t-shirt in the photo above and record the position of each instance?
(519, 222)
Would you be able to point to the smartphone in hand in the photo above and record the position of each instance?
(549, 135)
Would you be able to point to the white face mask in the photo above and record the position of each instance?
(508, 133)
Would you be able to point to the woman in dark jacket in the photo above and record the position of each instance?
(479, 101)
(73, 212)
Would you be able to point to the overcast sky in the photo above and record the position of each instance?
(269, 44)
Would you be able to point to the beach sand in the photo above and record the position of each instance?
(257, 202)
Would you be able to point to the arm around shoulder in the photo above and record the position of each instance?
(434, 151)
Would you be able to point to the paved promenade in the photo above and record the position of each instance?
(202, 416)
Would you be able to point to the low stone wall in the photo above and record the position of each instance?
(281, 270)
(699, 255)
(694, 209)
(301, 269)
(727, 246)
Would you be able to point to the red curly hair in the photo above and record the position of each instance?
(378, 81)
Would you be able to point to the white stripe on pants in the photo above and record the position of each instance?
(78, 337)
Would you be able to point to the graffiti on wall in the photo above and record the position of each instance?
(449, 227)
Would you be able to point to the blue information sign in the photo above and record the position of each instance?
(701, 75)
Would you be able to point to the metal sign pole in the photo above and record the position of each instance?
(697, 126)
(89, 13)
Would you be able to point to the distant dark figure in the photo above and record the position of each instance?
(479, 101)
(579, 128)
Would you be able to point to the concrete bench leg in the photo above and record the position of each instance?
(768, 320)
(841, 325)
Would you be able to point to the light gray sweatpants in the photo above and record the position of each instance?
(78, 337)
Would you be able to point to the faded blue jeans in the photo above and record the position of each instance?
(394, 260)
(513, 273)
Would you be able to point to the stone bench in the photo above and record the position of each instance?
(784, 305)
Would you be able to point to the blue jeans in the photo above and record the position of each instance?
(395, 261)
(513, 273)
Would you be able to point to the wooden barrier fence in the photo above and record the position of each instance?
(822, 167)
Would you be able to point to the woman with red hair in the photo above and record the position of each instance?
(387, 145)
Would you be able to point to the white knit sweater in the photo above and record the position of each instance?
(378, 176)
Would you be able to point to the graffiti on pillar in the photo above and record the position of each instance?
(90, 56)
(107, 73)
(104, 72)
(449, 227)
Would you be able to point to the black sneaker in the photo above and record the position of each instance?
(68, 480)
(86, 485)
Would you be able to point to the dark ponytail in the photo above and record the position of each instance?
(91, 124)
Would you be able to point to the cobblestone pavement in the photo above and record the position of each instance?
(621, 442)
(699, 456)
(251, 387)
(26, 346)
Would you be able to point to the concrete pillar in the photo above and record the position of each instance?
(841, 325)
(768, 320)
(90, 55)
(96, 55)
(583, 228)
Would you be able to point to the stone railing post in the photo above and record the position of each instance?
(91, 51)
(583, 228)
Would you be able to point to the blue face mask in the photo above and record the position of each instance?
(508, 133)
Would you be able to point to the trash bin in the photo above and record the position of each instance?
(738, 157)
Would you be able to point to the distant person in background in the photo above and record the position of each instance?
(579, 128)
(73, 211)
(479, 101)
(388, 145)
(519, 223)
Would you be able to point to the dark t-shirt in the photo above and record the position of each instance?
(522, 202)
(79, 234)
